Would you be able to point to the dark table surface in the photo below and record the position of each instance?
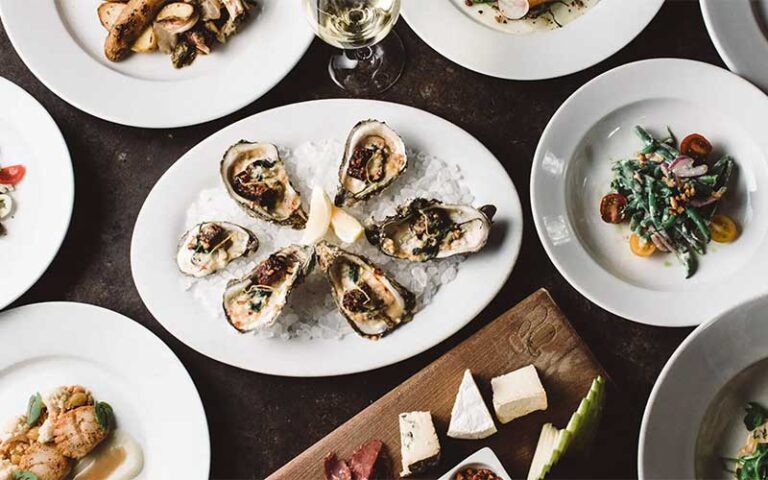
(258, 422)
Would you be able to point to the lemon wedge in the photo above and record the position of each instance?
(346, 227)
(319, 220)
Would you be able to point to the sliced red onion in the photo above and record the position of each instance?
(665, 169)
(682, 166)
(514, 9)
(702, 202)
(661, 242)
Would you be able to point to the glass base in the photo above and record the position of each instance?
(369, 70)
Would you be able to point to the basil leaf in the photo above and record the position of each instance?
(34, 409)
(756, 416)
(24, 475)
(105, 415)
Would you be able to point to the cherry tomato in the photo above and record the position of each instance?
(12, 175)
(612, 208)
(640, 247)
(696, 146)
(723, 229)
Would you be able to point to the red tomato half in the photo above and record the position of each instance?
(12, 175)
(696, 146)
(612, 208)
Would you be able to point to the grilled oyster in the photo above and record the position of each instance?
(256, 300)
(374, 157)
(210, 246)
(372, 302)
(425, 229)
(256, 179)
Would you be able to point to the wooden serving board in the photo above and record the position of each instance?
(535, 331)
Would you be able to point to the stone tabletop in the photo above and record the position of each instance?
(258, 422)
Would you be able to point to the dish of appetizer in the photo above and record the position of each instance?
(10, 176)
(36, 191)
(182, 30)
(68, 434)
(514, 39)
(115, 59)
(526, 16)
(354, 236)
(75, 409)
(669, 194)
(737, 30)
(718, 373)
(618, 207)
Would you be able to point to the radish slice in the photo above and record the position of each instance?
(514, 9)
(6, 205)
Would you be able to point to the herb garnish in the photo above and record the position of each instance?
(34, 409)
(756, 415)
(24, 475)
(105, 415)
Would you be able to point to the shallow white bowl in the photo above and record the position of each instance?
(46, 345)
(483, 458)
(739, 30)
(480, 277)
(695, 411)
(572, 171)
(62, 42)
(43, 199)
(602, 31)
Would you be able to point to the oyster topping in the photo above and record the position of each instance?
(373, 303)
(373, 158)
(425, 229)
(211, 246)
(256, 179)
(257, 300)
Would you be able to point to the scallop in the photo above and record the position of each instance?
(423, 230)
(373, 303)
(256, 178)
(256, 300)
(374, 157)
(210, 246)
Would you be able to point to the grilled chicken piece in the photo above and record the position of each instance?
(78, 431)
(46, 462)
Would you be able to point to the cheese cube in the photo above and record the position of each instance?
(517, 394)
(470, 418)
(420, 448)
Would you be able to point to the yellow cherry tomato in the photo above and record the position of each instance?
(640, 247)
(723, 229)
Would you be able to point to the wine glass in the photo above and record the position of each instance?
(372, 56)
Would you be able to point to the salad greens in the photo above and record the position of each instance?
(752, 462)
(669, 196)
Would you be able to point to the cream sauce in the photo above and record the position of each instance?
(118, 458)
(564, 13)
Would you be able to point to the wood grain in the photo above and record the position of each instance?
(535, 331)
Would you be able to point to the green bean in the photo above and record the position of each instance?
(644, 135)
(699, 222)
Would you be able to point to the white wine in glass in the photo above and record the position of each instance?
(373, 57)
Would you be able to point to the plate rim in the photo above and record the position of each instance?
(452, 56)
(58, 138)
(516, 206)
(112, 317)
(104, 113)
(625, 313)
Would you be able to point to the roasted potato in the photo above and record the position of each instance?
(130, 25)
(108, 15)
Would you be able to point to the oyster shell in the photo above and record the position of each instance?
(373, 303)
(210, 246)
(256, 178)
(425, 229)
(256, 300)
(374, 157)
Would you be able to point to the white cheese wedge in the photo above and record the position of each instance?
(420, 448)
(470, 417)
(517, 394)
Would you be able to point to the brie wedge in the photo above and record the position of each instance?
(420, 448)
(517, 394)
(470, 418)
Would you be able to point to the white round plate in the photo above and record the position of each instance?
(145, 90)
(604, 29)
(572, 171)
(46, 345)
(695, 412)
(479, 279)
(739, 30)
(44, 198)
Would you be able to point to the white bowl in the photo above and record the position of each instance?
(695, 411)
(572, 171)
